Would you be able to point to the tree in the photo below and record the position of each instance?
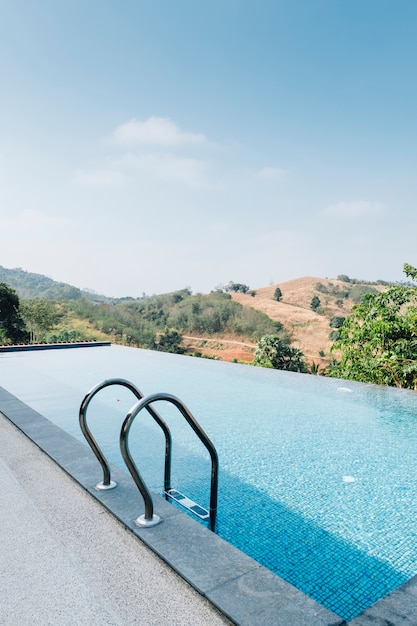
(40, 316)
(315, 303)
(277, 295)
(334, 335)
(12, 326)
(231, 286)
(378, 341)
(343, 278)
(337, 321)
(170, 341)
(271, 351)
(410, 271)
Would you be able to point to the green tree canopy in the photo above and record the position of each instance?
(337, 321)
(170, 341)
(315, 303)
(277, 295)
(40, 316)
(12, 326)
(271, 351)
(231, 286)
(378, 341)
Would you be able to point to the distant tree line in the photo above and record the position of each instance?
(354, 292)
(354, 281)
(155, 322)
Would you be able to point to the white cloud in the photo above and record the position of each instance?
(145, 152)
(155, 131)
(358, 208)
(273, 173)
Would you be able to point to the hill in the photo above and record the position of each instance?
(29, 285)
(221, 325)
(309, 329)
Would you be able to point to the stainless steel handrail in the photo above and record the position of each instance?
(107, 483)
(149, 519)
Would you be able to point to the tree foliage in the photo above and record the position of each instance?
(140, 322)
(231, 286)
(315, 303)
(333, 290)
(217, 313)
(277, 295)
(12, 326)
(170, 341)
(378, 341)
(39, 316)
(337, 321)
(271, 351)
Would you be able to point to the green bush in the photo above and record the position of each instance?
(315, 303)
(336, 321)
(275, 353)
(277, 295)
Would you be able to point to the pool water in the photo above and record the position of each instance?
(316, 475)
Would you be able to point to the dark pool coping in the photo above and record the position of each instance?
(244, 591)
(53, 346)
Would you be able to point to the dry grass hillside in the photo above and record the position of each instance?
(309, 330)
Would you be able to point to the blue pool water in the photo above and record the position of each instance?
(316, 475)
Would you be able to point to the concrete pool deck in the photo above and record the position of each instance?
(73, 555)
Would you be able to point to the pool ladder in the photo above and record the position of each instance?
(150, 518)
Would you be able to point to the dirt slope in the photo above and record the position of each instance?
(309, 330)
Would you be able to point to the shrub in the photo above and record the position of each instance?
(315, 303)
(273, 352)
(277, 295)
(337, 321)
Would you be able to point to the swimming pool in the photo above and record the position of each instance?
(316, 475)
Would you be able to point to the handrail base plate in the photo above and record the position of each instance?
(102, 487)
(143, 522)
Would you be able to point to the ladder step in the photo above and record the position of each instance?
(188, 504)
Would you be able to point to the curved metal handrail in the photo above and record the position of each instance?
(107, 483)
(149, 519)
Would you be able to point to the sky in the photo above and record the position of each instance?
(147, 147)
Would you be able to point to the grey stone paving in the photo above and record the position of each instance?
(64, 560)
